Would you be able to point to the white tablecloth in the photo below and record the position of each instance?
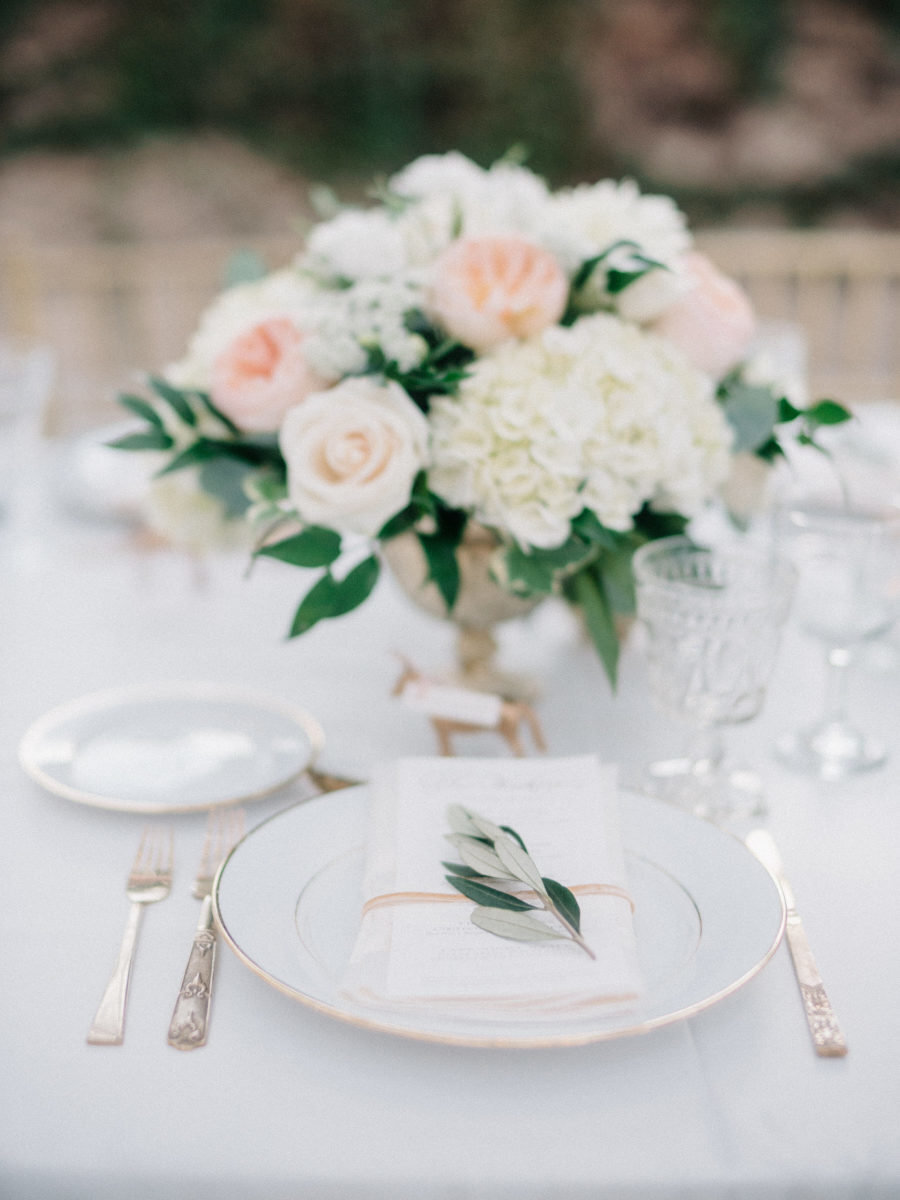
(285, 1103)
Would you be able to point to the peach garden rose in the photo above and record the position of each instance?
(486, 290)
(713, 322)
(262, 374)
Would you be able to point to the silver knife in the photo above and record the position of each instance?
(828, 1040)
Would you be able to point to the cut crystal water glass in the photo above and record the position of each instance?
(713, 620)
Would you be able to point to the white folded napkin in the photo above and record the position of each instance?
(417, 944)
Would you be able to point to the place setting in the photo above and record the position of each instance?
(526, 406)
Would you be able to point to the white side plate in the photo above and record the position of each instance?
(178, 747)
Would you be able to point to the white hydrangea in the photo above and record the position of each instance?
(356, 244)
(599, 416)
(586, 220)
(350, 321)
(283, 293)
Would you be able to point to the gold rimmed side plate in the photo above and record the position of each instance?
(708, 917)
(170, 747)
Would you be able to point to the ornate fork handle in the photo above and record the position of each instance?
(190, 1017)
(108, 1028)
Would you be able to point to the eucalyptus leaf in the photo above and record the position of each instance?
(485, 895)
(519, 926)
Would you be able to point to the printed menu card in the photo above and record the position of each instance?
(417, 943)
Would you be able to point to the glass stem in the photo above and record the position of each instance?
(708, 750)
(836, 687)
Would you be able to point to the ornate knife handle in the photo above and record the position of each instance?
(827, 1036)
(190, 1017)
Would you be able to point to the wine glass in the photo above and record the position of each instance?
(848, 594)
(713, 620)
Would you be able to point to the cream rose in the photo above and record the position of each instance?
(352, 454)
(713, 323)
(487, 290)
(262, 374)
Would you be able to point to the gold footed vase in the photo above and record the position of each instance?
(481, 605)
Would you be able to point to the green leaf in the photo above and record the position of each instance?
(244, 266)
(224, 478)
(332, 597)
(314, 547)
(618, 578)
(143, 409)
(175, 398)
(828, 412)
(213, 411)
(588, 527)
(752, 411)
(787, 411)
(443, 566)
(481, 893)
(590, 596)
(653, 524)
(519, 926)
(512, 833)
(564, 900)
(198, 452)
(518, 863)
(460, 821)
(150, 439)
(480, 857)
(461, 869)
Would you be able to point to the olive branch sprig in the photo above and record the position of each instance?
(495, 861)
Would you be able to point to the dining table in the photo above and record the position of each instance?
(285, 1102)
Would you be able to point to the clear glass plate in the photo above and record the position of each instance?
(708, 917)
(180, 747)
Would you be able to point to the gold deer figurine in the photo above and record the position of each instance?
(508, 717)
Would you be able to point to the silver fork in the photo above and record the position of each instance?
(149, 881)
(190, 1018)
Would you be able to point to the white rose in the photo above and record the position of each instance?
(352, 454)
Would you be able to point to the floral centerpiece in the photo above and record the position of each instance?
(559, 368)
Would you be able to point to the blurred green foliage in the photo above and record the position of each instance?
(347, 88)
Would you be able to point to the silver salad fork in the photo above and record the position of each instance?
(149, 881)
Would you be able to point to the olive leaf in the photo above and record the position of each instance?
(495, 862)
(487, 896)
(516, 925)
(480, 856)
